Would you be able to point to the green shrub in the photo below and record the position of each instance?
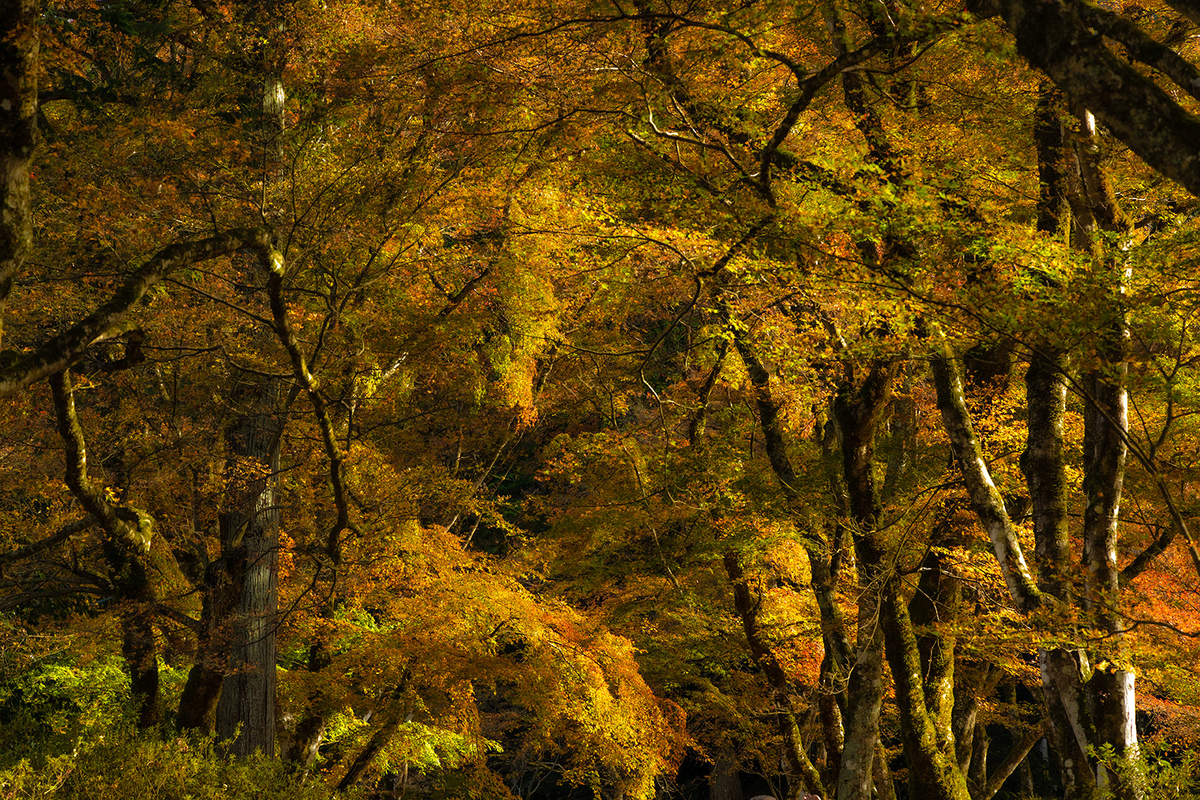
(1165, 772)
(131, 766)
(68, 733)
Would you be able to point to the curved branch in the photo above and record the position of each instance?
(51, 541)
(1052, 36)
(60, 351)
(90, 496)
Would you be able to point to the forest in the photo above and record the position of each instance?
(600, 399)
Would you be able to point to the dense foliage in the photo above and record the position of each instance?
(617, 399)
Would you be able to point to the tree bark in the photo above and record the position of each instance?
(928, 743)
(1053, 36)
(249, 521)
(18, 137)
(1044, 467)
(1111, 687)
(249, 527)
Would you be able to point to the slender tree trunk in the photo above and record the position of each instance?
(832, 731)
(985, 497)
(982, 746)
(802, 773)
(924, 718)
(1044, 467)
(1111, 695)
(1111, 700)
(864, 699)
(864, 674)
(857, 410)
(928, 751)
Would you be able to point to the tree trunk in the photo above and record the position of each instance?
(249, 527)
(723, 783)
(985, 497)
(928, 743)
(249, 522)
(140, 650)
(1110, 688)
(863, 675)
(864, 699)
(801, 772)
(1111, 697)
(221, 595)
(18, 136)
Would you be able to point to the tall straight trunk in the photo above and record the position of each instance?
(857, 410)
(249, 520)
(249, 528)
(1044, 466)
(1111, 700)
(864, 699)
(1043, 463)
(18, 136)
(1111, 689)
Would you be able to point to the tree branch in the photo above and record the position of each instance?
(1052, 36)
(53, 540)
(90, 496)
(60, 351)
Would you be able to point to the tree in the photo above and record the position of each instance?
(1066, 41)
(563, 370)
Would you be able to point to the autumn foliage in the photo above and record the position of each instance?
(623, 400)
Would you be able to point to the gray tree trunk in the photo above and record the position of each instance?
(250, 539)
